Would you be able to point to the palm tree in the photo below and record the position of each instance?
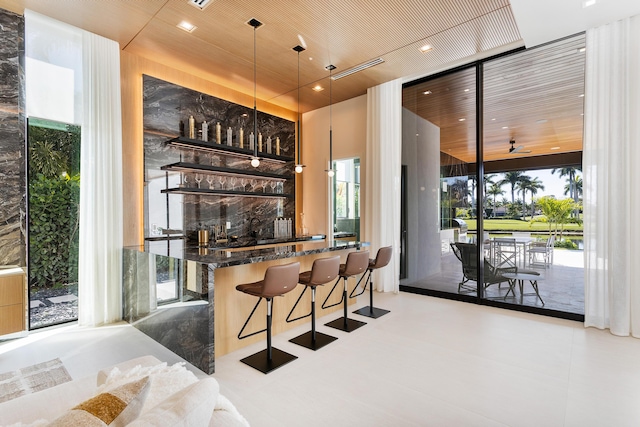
(523, 186)
(570, 172)
(486, 180)
(577, 187)
(512, 178)
(495, 190)
(534, 185)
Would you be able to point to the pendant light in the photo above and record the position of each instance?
(299, 165)
(255, 160)
(330, 172)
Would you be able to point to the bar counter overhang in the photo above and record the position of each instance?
(205, 312)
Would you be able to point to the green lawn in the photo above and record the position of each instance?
(518, 225)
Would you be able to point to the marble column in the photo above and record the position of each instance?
(12, 140)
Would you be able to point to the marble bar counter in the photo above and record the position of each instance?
(184, 297)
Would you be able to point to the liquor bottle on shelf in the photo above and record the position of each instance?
(205, 131)
(229, 137)
(192, 127)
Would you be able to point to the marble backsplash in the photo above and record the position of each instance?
(165, 106)
(12, 140)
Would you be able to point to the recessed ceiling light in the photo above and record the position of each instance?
(581, 50)
(461, 119)
(581, 95)
(505, 127)
(493, 120)
(554, 148)
(541, 121)
(466, 90)
(317, 88)
(426, 48)
(427, 92)
(310, 58)
(186, 26)
(588, 3)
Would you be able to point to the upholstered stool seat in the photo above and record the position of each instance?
(357, 263)
(323, 271)
(382, 259)
(278, 280)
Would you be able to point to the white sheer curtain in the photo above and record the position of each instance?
(383, 167)
(612, 177)
(100, 260)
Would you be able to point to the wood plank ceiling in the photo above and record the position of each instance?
(534, 97)
(346, 34)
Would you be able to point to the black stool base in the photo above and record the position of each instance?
(371, 312)
(260, 362)
(306, 340)
(351, 324)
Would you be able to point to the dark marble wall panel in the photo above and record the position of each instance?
(12, 142)
(166, 105)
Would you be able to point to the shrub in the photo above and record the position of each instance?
(53, 230)
(566, 244)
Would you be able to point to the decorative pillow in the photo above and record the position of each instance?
(164, 381)
(117, 407)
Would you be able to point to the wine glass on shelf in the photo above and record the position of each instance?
(254, 184)
(198, 179)
(185, 181)
(233, 180)
(272, 184)
(264, 185)
(210, 181)
(222, 179)
(243, 183)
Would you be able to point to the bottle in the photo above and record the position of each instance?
(241, 142)
(275, 228)
(229, 137)
(277, 145)
(260, 141)
(192, 127)
(218, 133)
(269, 144)
(205, 131)
(251, 142)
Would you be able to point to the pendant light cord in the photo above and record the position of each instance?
(255, 96)
(299, 116)
(330, 120)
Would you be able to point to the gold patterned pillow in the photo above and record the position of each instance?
(118, 407)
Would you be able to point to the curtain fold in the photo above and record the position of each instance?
(611, 177)
(383, 169)
(100, 258)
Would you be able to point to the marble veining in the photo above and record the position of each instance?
(167, 108)
(12, 141)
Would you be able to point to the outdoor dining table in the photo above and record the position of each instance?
(523, 242)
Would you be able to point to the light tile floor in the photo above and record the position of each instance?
(430, 362)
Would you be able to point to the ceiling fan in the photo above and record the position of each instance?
(519, 149)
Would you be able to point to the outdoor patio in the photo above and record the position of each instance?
(561, 286)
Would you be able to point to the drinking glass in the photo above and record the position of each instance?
(272, 184)
(264, 185)
(198, 180)
(233, 180)
(210, 179)
(243, 182)
(222, 179)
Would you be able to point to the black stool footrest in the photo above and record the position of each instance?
(347, 326)
(306, 340)
(261, 362)
(371, 312)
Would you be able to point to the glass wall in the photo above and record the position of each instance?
(439, 152)
(53, 221)
(346, 215)
(517, 213)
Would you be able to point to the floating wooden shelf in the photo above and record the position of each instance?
(217, 170)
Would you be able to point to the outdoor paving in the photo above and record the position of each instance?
(561, 285)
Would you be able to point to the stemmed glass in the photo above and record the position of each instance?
(233, 180)
(222, 179)
(243, 182)
(280, 186)
(210, 181)
(254, 184)
(185, 181)
(198, 180)
(272, 184)
(264, 185)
